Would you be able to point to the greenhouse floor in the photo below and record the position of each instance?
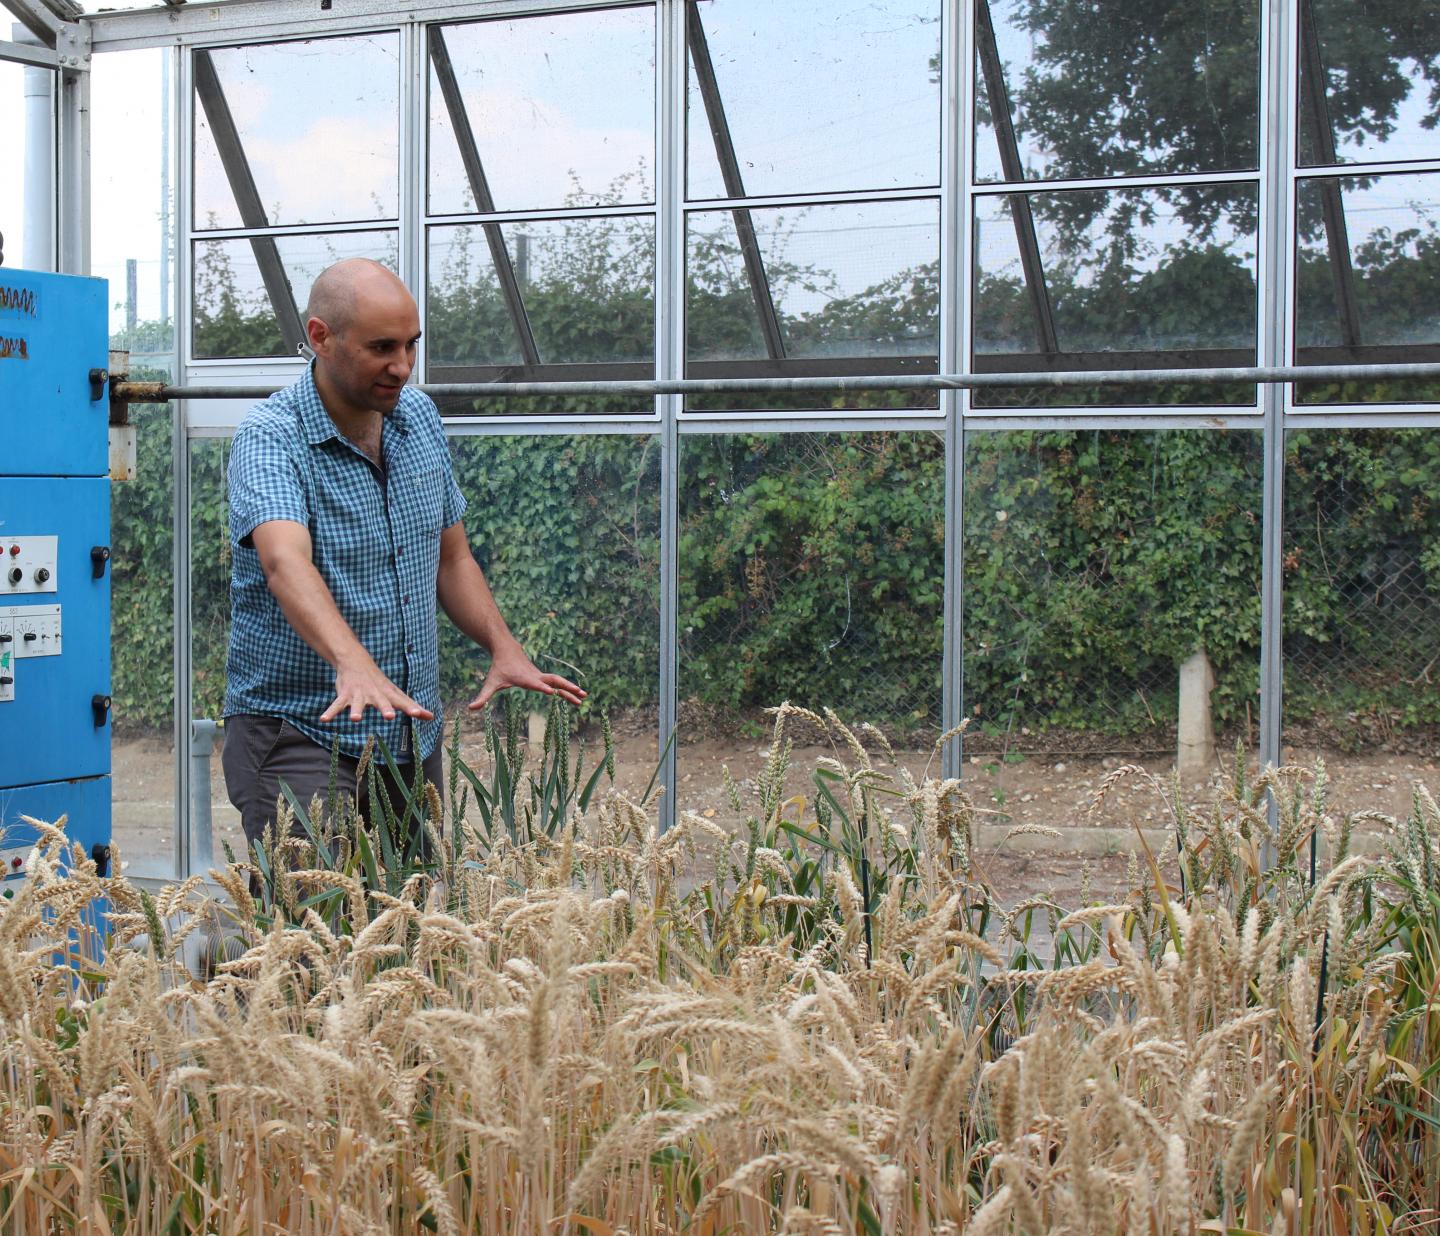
(1087, 849)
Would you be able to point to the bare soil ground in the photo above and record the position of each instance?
(1089, 859)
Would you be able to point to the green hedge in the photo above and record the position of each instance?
(811, 567)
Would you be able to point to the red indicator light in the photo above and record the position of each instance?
(17, 863)
(14, 549)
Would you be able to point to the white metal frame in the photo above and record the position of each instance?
(256, 21)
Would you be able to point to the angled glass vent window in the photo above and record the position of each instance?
(1116, 279)
(585, 296)
(1367, 271)
(250, 294)
(550, 111)
(1379, 61)
(804, 290)
(297, 133)
(1115, 88)
(812, 96)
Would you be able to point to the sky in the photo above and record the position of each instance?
(562, 103)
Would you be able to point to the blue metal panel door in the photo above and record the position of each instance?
(55, 731)
(54, 557)
(52, 334)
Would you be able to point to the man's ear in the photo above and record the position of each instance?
(319, 336)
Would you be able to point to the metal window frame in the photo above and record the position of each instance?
(1275, 414)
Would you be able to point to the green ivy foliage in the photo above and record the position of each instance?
(1097, 562)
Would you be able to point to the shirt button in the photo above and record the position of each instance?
(404, 600)
(409, 647)
(400, 551)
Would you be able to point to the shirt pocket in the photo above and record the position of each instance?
(418, 499)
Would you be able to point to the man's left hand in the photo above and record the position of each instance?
(512, 668)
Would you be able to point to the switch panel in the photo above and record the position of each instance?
(7, 660)
(28, 564)
(12, 861)
(35, 629)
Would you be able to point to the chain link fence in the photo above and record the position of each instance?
(812, 569)
(1362, 573)
(1096, 564)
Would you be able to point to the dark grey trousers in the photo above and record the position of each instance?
(260, 752)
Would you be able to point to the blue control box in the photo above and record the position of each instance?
(54, 560)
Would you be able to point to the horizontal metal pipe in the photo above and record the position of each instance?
(159, 392)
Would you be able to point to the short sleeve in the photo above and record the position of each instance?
(265, 481)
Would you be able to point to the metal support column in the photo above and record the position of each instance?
(670, 358)
(38, 207)
(182, 658)
(1276, 212)
(72, 167)
(954, 144)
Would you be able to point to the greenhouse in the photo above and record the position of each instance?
(980, 460)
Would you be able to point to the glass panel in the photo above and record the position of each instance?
(16, 165)
(1106, 572)
(567, 530)
(1362, 612)
(209, 643)
(561, 107)
(132, 238)
(319, 129)
(854, 283)
(1380, 62)
(586, 289)
(811, 570)
(233, 316)
(142, 635)
(1369, 256)
(1116, 87)
(815, 95)
(1132, 279)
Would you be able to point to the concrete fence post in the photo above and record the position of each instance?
(1196, 755)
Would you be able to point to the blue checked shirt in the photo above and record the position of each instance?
(376, 544)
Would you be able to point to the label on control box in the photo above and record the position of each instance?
(28, 564)
(34, 629)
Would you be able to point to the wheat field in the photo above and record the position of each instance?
(815, 1019)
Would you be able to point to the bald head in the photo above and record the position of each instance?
(363, 327)
(345, 291)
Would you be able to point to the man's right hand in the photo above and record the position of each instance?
(362, 686)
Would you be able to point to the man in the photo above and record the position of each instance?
(345, 531)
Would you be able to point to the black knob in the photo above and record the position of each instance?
(100, 706)
(16, 575)
(42, 574)
(99, 556)
(5, 637)
(6, 681)
(100, 856)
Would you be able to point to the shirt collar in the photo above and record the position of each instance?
(315, 422)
